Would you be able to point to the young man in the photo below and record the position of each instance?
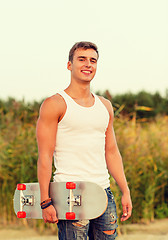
(76, 127)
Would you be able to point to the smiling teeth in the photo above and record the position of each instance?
(87, 71)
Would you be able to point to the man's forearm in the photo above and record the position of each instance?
(44, 171)
(115, 167)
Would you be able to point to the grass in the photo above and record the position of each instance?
(143, 147)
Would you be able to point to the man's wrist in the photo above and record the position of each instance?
(46, 205)
(45, 201)
(125, 191)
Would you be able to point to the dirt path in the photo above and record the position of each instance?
(153, 231)
(158, 230)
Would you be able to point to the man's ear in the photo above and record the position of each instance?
(69, 65)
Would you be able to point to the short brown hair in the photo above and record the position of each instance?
(84, 45)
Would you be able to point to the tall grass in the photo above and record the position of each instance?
(18, 156)
(145, 156)
(143, 147)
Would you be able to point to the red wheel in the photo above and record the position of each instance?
(21, 186)
(70, 185)
(21, 214)
(70, 215)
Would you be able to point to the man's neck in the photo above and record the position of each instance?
(76, 91)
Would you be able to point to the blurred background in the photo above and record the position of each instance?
(132, 37)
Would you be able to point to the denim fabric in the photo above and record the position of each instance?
(94, 229)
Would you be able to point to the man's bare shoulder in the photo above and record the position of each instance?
(53, 106)
(107, 104)
(53, 100)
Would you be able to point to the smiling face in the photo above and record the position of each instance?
(83, 67)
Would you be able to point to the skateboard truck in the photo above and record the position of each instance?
(75, 199)
(72, 200)
(27, 200)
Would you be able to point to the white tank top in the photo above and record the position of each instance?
(80, 143)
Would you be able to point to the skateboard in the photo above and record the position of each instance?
(72, 200)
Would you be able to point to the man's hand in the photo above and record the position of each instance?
(49, 215)
(127, 206)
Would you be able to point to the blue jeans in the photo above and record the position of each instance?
(95, 228)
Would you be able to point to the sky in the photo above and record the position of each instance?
(36, 36)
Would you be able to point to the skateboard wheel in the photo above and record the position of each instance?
(70, 185)
(21, 186)
(21, 214)
(70, 215)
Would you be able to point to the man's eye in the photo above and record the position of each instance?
(81, 59)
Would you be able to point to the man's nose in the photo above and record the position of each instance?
(88, 63)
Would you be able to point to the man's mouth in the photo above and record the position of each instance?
(86, 71)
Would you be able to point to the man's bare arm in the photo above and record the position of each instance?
(115, 164)
(46, 138)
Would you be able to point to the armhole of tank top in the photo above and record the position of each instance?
(103, 105)
(98, 99)
(64, 98)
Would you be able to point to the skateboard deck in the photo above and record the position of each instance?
(72, 200)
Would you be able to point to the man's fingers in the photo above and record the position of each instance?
(126, 213)
(51, 221)
(49, 215)
(54, 218)
(130, 211)
(125, 210)
(127, 206)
